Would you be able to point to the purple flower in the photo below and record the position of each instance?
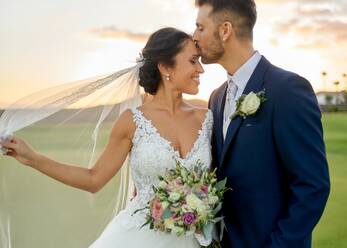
(189, 218)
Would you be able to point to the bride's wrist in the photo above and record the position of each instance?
(36, 160)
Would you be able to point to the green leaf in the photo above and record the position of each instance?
(217, 209)
(147, 222)
(207, 230)
(221, 184)
(138, 210)
(154, 189)
(218, 219)
(167, 213)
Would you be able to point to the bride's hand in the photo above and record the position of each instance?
(19, 150)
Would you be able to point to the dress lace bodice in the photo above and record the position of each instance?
(151, 155)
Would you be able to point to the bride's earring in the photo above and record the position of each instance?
(167, 77)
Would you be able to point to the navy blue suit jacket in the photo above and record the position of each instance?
(274, 162)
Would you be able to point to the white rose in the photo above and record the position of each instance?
(165, 204)
(213, 199)
(193, 201)
(178, 230)
(250, 104)
(202, 210)
(174, 197)
(169, 223)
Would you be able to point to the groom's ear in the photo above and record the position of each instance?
(226, 31)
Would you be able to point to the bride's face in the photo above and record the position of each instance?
(184, 76)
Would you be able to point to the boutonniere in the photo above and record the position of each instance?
(249, 104)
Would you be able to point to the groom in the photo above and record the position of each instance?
(274, 159)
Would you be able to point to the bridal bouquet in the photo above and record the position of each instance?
(187, 202)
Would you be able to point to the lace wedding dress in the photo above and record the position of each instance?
(150, 156)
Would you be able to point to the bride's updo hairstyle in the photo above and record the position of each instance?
(161, 48)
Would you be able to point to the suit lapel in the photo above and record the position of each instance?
(254, 84)
(219, 118)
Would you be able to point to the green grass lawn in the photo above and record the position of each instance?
(61, 215)
(331, 231)
(70, 218)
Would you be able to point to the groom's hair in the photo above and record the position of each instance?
(241, 13)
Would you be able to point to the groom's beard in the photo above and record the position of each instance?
(213, 50)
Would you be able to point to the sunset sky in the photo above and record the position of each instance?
(44, 43)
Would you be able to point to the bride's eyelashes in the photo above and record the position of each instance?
(194, 60)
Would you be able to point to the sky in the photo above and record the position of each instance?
(45, 43)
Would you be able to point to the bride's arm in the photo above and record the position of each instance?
(91, 180)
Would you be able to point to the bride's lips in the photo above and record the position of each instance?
(196, 79)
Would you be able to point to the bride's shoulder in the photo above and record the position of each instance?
(127, 116)
(124, 126)
(199, 111)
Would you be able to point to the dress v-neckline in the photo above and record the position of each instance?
(169, 143)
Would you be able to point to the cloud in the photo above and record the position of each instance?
(112, 32)
(319, 33)
(313, 24)
(314, 11)
(324, 28)
(336, 30)
(290, 1)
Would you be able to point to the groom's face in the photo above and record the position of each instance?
(206, 36)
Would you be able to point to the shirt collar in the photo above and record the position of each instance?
(244, 73)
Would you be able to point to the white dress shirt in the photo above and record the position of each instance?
(240, 78)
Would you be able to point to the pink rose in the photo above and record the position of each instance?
(204, 188)
(187, 190)
(178, 182)
(157, 209)
(170, 187)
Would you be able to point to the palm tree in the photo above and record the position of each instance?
(328, 99)
(324, 76)
(344, 76)
(337, 83)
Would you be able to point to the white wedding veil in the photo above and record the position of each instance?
(70, 123)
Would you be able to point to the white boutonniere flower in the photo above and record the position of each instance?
(249, 104)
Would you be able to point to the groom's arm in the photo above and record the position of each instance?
(299, 142)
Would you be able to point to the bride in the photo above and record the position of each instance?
(154, 136)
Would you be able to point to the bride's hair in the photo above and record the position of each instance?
(161, 48)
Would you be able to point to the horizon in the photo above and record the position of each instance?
(48, 43)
